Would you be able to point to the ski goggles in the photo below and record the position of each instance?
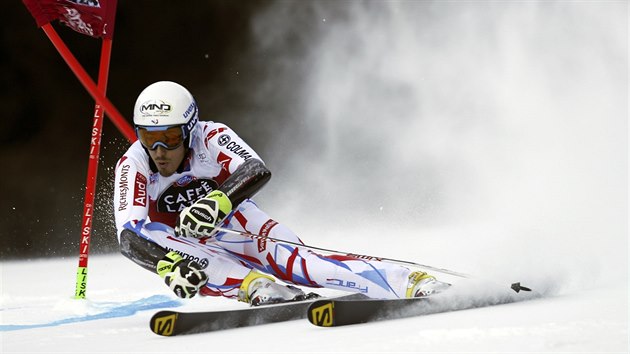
(167, 137)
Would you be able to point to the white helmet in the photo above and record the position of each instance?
(165, 104)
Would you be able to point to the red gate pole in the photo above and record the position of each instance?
(95, 20)
(92, 172)
(102, 105)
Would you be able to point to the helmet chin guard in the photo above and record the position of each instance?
(165, 104)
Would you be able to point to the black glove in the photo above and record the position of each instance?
(184, 277)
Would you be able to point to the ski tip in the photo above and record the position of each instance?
(518, 287)
(321, 313)
(163, 323)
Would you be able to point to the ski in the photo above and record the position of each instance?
(334, 313)
(173, 323)
(342, 312)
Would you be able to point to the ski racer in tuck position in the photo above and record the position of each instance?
(183, 178)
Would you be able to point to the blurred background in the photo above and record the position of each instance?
(478, 130)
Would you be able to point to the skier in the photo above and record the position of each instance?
(184, 179)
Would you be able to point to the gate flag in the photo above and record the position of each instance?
(94, 18)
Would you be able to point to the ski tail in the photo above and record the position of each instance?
(163, 323)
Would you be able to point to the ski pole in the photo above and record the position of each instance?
(360, 256)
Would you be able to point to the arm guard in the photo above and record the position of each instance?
(248, 179)
(143, 252)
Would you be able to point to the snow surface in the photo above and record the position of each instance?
(591, 320)
(489, 138)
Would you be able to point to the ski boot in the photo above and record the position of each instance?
(261, 289)
(422, 284)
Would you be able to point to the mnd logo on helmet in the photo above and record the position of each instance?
(155, 108)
